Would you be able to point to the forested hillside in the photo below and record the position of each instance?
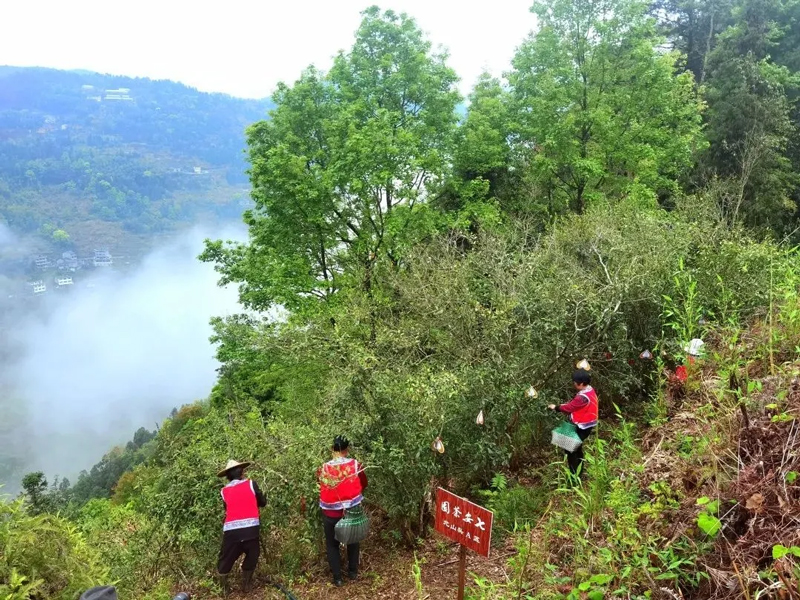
(86, 156)
(628, 187)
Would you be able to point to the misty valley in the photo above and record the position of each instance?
(391, 334)
(85, 365)
(104, 308)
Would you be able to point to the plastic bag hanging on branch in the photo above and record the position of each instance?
(438, 445)
(479, 418)
(583, 365)
(646, 355)
(531, 392)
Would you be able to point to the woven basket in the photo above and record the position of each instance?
(353, 527)
(565, 436)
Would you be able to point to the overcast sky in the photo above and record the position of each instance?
(241, 47)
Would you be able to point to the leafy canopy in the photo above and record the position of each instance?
(342, 170)
(600, 109)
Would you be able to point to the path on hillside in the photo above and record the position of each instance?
(386, 573)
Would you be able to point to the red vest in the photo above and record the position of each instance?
(586, 416)
(339, 485)
(241, 507)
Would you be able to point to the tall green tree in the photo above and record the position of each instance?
(602, 111)
(341, 171)
(35, 486)
(750, 122)
(691, 27)
(483, 148)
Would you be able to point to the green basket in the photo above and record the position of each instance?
(565, 436)
(353, 527)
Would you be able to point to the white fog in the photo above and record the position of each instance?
(117, 352)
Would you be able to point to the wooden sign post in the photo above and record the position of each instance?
(466, 523)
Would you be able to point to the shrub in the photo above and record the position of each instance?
(45, 556)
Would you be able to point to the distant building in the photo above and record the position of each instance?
(42, 263)
(38, 287)
(102, 258)
(70, 260)
(198, 170)
(87, 88)
(63, 281)
(118, 94)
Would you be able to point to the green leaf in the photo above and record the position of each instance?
(601, 579)
(595, 595)
(709, 524)
(702, 501)
(778, 552)
(782, 418)
(791, 477)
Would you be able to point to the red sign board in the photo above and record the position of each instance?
(464, 522)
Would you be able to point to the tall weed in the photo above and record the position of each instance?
(44, 556)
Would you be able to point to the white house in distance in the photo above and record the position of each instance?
(63, 281)
(91, 93)
(118, 94)
(70, 260)
(38, 287)
(102, 258)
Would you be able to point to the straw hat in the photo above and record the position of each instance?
(232, 464)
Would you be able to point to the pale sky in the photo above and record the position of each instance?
(242, 47)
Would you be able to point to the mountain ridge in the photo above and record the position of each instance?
(107, 157)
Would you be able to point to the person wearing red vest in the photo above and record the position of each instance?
(341, 483)
(240, 533)
(583, 411)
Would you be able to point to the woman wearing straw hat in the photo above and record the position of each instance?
(240, 533)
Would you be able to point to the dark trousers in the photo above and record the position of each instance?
(332, 548)
(232, 549)
(575, 459)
